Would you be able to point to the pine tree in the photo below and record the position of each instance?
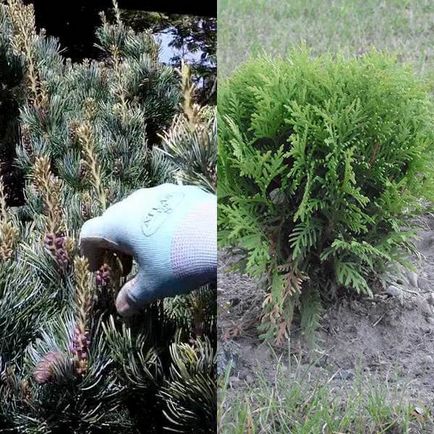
(191, 141)
(11, 76)
(89, 136)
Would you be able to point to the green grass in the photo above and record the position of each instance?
(295, 404)
(248, 27)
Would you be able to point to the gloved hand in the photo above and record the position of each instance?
(171, 232)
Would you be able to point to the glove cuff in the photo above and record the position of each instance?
(193, 254)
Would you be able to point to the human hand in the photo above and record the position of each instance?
(171, 232)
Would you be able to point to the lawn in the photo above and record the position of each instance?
(249, 27)
(297, 404)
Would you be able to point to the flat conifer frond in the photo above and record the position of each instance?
(322, 163)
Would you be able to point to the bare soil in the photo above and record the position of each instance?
(389, 338)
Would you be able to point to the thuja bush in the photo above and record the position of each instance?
(322, 161)
(90, 134)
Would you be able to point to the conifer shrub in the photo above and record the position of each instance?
(90, 134)
(190, 144)
(11, 75)
(322, 162)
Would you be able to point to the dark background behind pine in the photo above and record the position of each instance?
(74, 22)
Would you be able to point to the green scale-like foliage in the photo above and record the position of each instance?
(137, 370)
(321, 163)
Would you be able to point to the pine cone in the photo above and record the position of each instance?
(44, 371)
(80, 350)
(56, 246)
(103, 276)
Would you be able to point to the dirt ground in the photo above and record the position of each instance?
(389, 338)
